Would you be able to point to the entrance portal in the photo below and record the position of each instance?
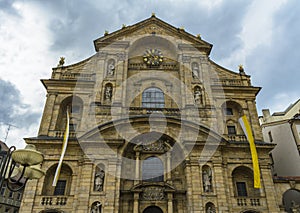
(152, 209)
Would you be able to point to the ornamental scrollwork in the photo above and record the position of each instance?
(155, 146)
(153, 193)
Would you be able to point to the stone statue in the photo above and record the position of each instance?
(99, 180)
(207, 180)
(111, 68)
(198, 95)
(211, 209)
(61, 62)
(295, 207)
(96, 208)
(108, 93)
(195, 70)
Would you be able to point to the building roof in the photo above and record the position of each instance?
(109, 38)
(289, 113)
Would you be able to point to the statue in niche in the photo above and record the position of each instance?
(195, 71)
(99, 180)
(198, 95)
(111, 68)
(210, 209)
(96, 207)
(108, 93)
(207, 180)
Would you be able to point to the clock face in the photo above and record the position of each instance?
(153, 57)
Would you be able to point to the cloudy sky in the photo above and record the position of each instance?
(263, 35)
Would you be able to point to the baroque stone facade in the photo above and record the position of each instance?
(154, 128)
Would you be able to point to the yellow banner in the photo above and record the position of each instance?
(63, 151)
(248, 132)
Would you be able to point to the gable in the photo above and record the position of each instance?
(152, 26)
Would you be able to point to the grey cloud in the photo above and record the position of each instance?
(276, 66)
(12, 109)
(6, 6)
(75, 26)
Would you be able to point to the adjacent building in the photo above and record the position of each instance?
(153, 129)
(283, 129)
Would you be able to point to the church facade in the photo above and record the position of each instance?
(153, 128)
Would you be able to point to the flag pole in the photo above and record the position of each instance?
(63, 151)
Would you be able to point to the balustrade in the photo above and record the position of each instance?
(248, 201)
(236, 138)
(54, 200)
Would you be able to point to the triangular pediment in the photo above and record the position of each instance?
(152, 26)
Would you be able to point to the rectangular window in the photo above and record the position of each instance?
(228, 111)
(75, 109)
(2, 192)
(241, 189)
(19, 196)
(231, 130)
(11, 194)
(270, 136)
(72, 127)
(60, 187)
(271, 158)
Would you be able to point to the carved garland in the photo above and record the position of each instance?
(153, 193)
(156, 146)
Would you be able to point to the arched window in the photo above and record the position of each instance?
(153, 98)
(74, 105)
(64, 182)
(153, 169)
(243, 182)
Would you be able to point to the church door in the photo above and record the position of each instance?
(152, 209)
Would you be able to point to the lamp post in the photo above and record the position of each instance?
(19, 166)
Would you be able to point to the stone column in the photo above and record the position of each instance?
(267, 183)
(136, 202)
(220, 187)
(253, 119)
(170, 203)
(137, 167)
(117, 189)
(189, 187)
(47, 115)
(196, 184)
(168, 173)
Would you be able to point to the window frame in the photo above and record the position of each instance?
(156, 172)
(270, 136)
(154, 98)
(230, 128)
(241, 188)
(228, 111)
(60, 188)
(3, 189)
